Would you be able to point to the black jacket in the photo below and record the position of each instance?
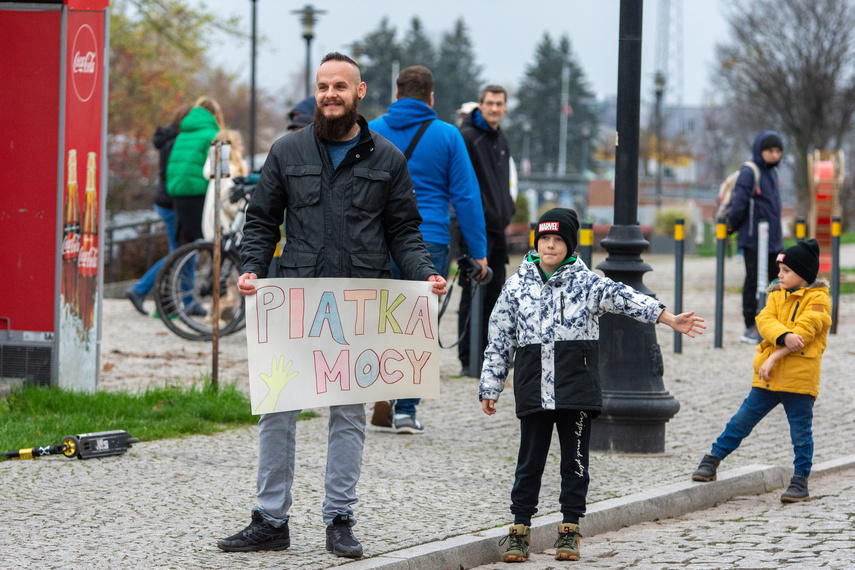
(340, 222)
(164, 138)
(490, 155)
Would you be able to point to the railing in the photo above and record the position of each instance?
(144, 230)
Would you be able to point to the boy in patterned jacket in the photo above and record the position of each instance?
(548, 317)
(794, 325)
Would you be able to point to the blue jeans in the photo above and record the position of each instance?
(799, 410)
(439, 257)
(146, 283)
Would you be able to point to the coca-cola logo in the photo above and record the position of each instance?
(87, 262)
(84, 63)
(71, 246)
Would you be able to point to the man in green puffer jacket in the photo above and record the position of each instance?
(185, 180)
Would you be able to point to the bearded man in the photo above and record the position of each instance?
(350, 204)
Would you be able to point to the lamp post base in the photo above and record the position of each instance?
(633, 422)
(636, 405)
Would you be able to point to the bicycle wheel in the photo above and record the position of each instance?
(184, 292)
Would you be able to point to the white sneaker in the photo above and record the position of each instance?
(408, 424)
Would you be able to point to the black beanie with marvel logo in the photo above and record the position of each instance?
(560, 221)
(803, 259)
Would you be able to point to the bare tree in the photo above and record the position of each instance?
(725, 141)
(790, 66)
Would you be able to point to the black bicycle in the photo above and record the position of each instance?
(185, 283)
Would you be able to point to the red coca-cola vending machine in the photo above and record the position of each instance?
(53, 138)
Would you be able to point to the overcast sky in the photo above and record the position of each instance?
(504, 34)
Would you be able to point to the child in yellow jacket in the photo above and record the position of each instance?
(794, 325)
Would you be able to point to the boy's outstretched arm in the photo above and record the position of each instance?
(686, 323)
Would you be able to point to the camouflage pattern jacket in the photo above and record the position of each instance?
(552, 329)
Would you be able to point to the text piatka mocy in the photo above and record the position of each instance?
(334, 341)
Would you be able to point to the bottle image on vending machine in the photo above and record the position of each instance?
(70, 237)
(87, 264)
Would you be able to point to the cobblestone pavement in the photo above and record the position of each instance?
(757, 532)
(164, 503)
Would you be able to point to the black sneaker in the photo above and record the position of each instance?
(706, 471)
(259, 535)
(340, 539)
(797, 491)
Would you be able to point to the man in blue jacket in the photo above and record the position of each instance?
(442, 173)
(746, 212)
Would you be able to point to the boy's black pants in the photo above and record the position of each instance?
(574, 434)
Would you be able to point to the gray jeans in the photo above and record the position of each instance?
(277, 436)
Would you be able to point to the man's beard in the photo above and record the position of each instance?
(335, 128)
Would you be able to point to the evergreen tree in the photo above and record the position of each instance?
(416, 48)
(539, 105)
(457, 76)
(378, 50)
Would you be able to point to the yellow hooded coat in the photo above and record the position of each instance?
(806, 312)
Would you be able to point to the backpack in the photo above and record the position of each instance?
(725, 193)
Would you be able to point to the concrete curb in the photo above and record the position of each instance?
(478, 548)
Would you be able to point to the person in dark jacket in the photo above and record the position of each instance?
(349, 203)
(490, 155)
(548, 318)
(163, 140)
(442, 175)
(747, 209)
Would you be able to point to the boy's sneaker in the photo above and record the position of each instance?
(519, 541)
(707, 468)
(797, 491)
(408, 424)
(752, 335)
(567, 544)
(383, 413)
(340, 539)
(259, 535)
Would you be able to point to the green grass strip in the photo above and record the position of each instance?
(39, 416)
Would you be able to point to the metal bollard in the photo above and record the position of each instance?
(679, 243)
(476, 351)
(801, 229)
(762, 263)
(835, 272)
(720, 237)
(586, 242)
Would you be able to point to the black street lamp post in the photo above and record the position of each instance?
(252, 92)
(636, 405)
(309, 17)
(659, 89)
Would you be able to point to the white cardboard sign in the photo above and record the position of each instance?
(326, 342)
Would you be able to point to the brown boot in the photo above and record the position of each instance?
(383, 413)
(519, 541)
(567, 545)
